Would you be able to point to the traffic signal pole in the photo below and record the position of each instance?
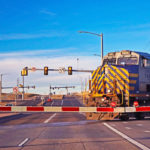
(23, 88)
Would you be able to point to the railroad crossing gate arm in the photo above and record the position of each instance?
(73, 109)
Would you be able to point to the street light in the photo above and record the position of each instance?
(101, 35)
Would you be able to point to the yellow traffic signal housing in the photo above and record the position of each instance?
(24, 72)
(45, 70)
(20, 85)
(69, 70)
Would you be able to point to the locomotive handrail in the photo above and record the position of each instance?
(121, 93)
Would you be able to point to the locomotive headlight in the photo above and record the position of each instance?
(108, 90)
(103, 99)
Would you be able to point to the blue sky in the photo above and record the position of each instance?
(49, 24)
(48, 29)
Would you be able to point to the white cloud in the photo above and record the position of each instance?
(35, 53)
(16, 36)
(28, 53)
(48, 12)
(13, 67)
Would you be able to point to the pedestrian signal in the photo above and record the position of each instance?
(45, 70)
(69, 70)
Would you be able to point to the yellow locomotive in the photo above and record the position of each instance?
(123, 80)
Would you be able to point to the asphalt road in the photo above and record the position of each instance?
(70, 131)
(32, 102)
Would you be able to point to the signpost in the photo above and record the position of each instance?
(61, 70)
(15, 91)
(42, 98)
(33, 69)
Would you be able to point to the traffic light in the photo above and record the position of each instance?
(45, 70)
(20, 85)
(24, 72)
(69, 70)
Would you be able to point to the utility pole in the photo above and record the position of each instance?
(77, 63)
(0, 91)
(50, 92)
(101, 48)
(23, 88)
(17, 87)
(1, 75)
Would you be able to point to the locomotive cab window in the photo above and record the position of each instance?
(111, 61)
(127, 61)
(148, 87)
(145, 62)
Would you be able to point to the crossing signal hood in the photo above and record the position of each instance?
(24, 72)
(69, 70)
(45, 70)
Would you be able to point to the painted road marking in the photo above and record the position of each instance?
(23, 142)
(128, 128)
(124, 122)
(62, 102)
(143, 147)
(50, 118)
(52, 103)
(147, 131)
(139, 124)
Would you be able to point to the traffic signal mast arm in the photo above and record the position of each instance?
(60, 87)
(19, 87)
(74, 70)
(46, 69)
(27, 87)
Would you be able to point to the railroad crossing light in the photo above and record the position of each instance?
(69, 70)
(24, 72)
(45, 70)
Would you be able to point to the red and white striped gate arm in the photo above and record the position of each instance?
(73, 109)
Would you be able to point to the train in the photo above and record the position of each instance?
(122, 81)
